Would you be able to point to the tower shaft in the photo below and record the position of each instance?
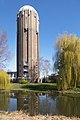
(28, 45)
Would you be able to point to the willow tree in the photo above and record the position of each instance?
(4, 80)
(67, 62)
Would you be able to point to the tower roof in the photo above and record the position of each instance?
(28, 7)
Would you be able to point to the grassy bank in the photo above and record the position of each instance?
(74, 92)
(43, 87)
(34, 86)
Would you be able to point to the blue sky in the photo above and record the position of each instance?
(56, 17)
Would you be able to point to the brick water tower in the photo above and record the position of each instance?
(28, 47)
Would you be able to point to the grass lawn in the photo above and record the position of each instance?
(34, 86)
(16, 86)
(41, 86)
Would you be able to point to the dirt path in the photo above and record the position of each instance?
(23, 116)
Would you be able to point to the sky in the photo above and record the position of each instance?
(56, 17)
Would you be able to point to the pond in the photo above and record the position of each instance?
(39, 103)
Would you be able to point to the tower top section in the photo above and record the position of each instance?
(28, 7)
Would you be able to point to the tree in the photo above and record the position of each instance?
(4, 80)
(33, 75)
(45, 66)
(67, 62)
(4, 51)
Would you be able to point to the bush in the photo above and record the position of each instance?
(4, 80)
(24, 81)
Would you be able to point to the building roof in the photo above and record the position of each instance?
(27, 7)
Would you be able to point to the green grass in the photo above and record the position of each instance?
(34, 86)
(74, 92)
(76, 89)
(41, 86)
(17, 86)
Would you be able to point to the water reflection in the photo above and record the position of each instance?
(4, 101)
(38, 103)
(30, 103)
(69, 106)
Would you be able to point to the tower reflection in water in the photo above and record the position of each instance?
(38, 103)
(29, 103)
